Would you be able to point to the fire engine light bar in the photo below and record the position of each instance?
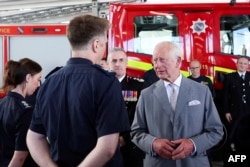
(39, 30)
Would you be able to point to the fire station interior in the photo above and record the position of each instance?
(234, 29)
(50, 11)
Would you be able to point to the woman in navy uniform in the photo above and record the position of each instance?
(131, 89)
(21, 79)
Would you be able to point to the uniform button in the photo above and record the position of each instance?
(243, 84)
(244, 90)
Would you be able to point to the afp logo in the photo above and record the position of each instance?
(237, 159)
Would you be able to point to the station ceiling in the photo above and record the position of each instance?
(50, 11)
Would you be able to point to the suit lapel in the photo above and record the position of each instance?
(161, 96)
(183, 97)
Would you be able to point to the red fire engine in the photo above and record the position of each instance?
(215, 33)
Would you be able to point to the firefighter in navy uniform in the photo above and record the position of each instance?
(195, 67)
(236, 103)
(22, 78)
(131, 88)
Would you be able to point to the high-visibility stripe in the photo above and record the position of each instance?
(221, 69)
(211, 78)
(135, 64)
(185, 73)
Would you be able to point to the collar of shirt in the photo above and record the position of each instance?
(241, 73)
(176, 84)
(120, 79)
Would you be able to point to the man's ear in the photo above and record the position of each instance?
(95, 45)
(178, 61)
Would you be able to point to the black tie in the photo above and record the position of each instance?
(243, 77)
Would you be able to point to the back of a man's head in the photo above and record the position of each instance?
(82, 29)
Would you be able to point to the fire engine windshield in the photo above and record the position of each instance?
(149, 30)
(235, 35)
(241, 41)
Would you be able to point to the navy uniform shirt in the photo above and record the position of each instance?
(75, 106)
(15, 117)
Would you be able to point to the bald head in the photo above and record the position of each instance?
(195, 67)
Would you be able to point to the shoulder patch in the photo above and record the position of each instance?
(25, 104)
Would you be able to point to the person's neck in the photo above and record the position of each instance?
(242, 72)
(195, 76)
(172, 78)
(121, 77)
(85, 54)
(20, 90)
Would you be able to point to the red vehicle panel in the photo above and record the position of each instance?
(214, 33)
(197, 28)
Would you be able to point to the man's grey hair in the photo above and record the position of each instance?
(115, 49)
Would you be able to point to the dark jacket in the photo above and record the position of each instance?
(236, 94)
(131, 90)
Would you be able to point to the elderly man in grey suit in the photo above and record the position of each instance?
(176, 120)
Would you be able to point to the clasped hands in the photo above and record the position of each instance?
(177, 149)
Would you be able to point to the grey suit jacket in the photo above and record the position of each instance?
(195, 117)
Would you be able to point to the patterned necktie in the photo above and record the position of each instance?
(172, 96)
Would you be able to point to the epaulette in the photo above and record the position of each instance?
(107, 72)
(137, 79)
(52, 71)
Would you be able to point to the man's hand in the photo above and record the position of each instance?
(228, 117)
(163, 147)
(185, 148)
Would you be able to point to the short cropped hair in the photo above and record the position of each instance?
(82, 29)
(242, 57)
